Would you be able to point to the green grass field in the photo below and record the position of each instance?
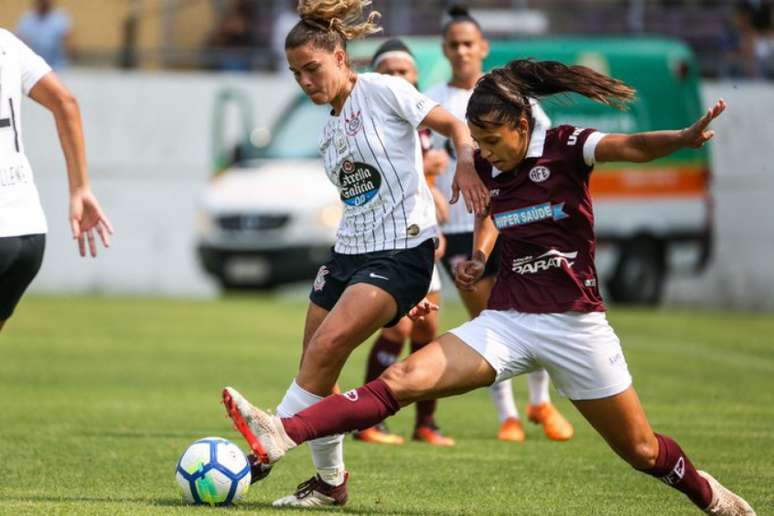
(98, 398)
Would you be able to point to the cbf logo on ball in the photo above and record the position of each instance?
(358, 182)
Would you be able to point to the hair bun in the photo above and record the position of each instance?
(458, 11)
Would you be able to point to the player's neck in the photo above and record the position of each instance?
(338, 102)
(464, 83)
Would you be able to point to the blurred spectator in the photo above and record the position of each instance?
(48, 31)
(750, 45)
(285, 17)
(232, 39)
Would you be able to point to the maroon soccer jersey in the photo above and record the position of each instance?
(543, 211)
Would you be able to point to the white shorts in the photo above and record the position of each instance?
(579, 350)
(435, 281)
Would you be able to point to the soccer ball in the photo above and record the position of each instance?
(214, 471)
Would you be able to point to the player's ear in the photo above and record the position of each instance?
(523, 125)
(485, 47)
(340, 55)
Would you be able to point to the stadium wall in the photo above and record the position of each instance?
(148, 138)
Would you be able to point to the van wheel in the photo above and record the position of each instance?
(640, 273)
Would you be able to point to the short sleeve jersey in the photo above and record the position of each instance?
(20, 209)
(455, 101)
(544, 213)
(372, 154)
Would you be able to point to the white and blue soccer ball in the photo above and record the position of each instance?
(213, 471)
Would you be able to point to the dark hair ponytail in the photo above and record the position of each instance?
(505, 92)
(459, 13)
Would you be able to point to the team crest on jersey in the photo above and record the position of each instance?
(351, 395)
(353, 123)
(539, 174)
(358, 183)
(319, 281)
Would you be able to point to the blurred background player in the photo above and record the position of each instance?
(394, 58)
(383, 259)
(465, 47)
(22, 221)
(48, 31)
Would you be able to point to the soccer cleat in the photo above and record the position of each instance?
(724, 502)
(511, 430)
(315, 493)
(432, 435)
(377, 434)
(263, 432)
(258, 470)
(555, 426)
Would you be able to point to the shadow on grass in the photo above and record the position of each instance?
(242, 506)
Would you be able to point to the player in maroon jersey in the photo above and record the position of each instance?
(545, 309)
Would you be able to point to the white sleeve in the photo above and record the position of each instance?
(404, 99)
(32, 66)
(590, 146)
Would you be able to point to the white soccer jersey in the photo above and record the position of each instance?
(20, 209)
(372, 154)
(455, 101)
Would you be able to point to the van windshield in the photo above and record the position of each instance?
(297, 133)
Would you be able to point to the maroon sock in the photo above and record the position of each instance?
(425, 408)
(675, 469)
(383, 354)
(354, 410)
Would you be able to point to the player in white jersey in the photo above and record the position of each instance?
(382, 261)
(22, 221)
(465, 47)
(394, 58)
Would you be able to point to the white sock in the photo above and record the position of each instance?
(537, 381)
(327, 452)
(502, 395)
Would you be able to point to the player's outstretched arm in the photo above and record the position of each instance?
(86, 215)
(466, 180)
(642, 147)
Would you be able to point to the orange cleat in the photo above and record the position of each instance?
(432, 436)
(555, 426)
(378, 434)
(511, 430)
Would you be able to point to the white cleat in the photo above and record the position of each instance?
(263, 432)
(724, 502)
(315, 493)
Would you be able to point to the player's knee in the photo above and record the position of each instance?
(405, 381)
(329, 343)
(642, 455)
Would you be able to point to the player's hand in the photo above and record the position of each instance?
(86, 217)
(422, 309)
(467, 182)
(467, 273)
(697, 135)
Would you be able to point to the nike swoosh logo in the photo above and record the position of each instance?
(372, 275)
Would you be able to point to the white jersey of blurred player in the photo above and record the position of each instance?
(388, 204)
(455, 100)
(20, 209)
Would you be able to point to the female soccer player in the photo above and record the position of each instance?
(394, 58)
(545, 309)
(382, 261)
(22, 221)
(465, 47)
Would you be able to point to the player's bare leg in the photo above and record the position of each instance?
(329, 340)
(621, 421)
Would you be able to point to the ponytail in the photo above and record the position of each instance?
(503, 94)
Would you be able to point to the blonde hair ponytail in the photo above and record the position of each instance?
(330, 23)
